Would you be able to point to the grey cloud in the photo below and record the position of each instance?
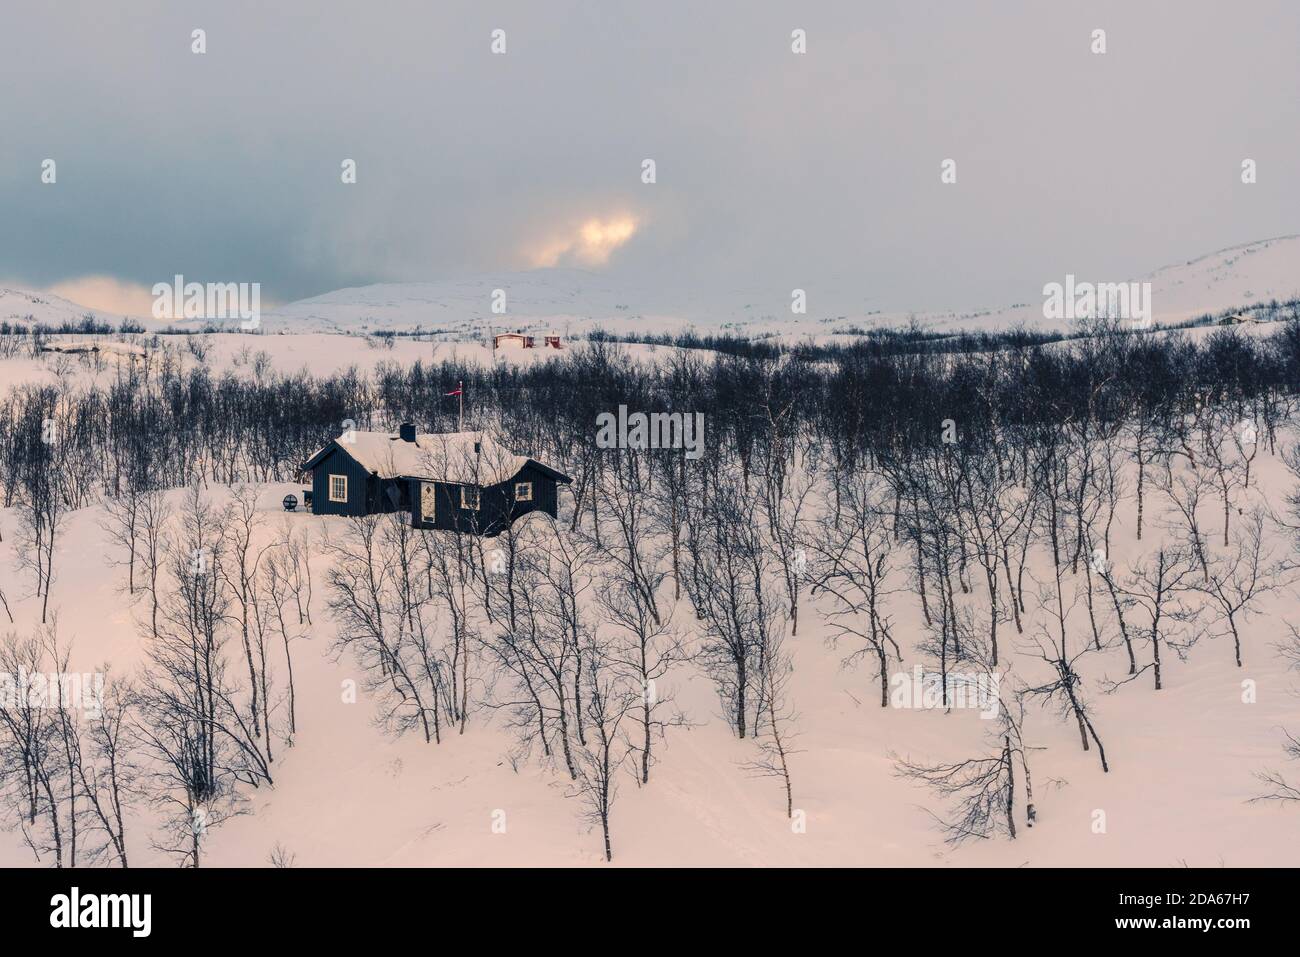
(774, 170)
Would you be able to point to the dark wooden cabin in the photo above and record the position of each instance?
(457, 481)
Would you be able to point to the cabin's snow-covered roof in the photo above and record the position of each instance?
(445, 456)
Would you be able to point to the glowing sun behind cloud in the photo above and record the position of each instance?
(587, 243)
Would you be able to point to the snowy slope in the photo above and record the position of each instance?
(573, 301)
(1183, 759)
(548, 297)
(18, 305)
(1231, 278)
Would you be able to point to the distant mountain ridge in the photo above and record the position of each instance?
(573, 301)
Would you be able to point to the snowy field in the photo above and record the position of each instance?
(1185, 761)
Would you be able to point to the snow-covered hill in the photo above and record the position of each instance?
(573, 301)
(1183, 760)
(553, 298)
(576, 301)
(1232, 278)
(19, 305)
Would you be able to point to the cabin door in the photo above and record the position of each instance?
(428, 501)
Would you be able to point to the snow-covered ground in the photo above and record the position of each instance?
(317, 353)
(1183, 759)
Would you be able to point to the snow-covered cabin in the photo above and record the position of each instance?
(458, 481)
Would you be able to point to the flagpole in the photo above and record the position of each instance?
(460, 400)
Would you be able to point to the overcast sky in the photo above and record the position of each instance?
(774, 170)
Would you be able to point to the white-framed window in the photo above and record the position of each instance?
(523, 491)
(338, 488)
(469, 497)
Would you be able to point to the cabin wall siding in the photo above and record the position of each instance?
(497, 508)
(361, 485)
(545, 494)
